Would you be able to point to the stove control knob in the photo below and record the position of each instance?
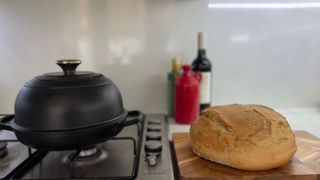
(152, 149)
(154, 128)
(154, 121)
(153, 146)
(153, 135)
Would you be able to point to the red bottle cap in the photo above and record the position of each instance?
(186, 68)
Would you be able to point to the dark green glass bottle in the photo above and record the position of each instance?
(172, 76)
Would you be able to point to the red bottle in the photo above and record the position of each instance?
(186, 103)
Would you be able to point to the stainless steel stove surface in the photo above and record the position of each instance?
(15, 153)
(138, 152)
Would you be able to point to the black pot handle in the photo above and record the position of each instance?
(133, 117)
(5, 122)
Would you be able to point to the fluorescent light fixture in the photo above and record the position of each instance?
(264, 5)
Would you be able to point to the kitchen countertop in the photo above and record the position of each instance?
(306, 119)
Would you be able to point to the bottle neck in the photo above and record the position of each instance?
(176, 68)
(201, 53)
(186, 69)
(176, 65)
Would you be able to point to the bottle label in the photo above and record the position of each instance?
(205, 88)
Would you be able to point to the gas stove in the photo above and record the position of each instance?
(138, 152)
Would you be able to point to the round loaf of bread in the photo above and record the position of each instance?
(247, 137)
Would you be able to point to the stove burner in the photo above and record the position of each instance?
(3, 149)
(85, 157)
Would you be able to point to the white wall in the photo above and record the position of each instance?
(266, 56)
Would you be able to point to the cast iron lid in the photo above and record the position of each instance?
(68, 100)
(69, 78)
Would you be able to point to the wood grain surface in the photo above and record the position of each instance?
(304, 166)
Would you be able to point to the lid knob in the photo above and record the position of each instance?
(68, 66)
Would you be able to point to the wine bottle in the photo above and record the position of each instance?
(203, 65)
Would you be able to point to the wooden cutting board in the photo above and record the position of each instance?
(304, 166)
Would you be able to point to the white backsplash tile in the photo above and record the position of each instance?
(266, 56)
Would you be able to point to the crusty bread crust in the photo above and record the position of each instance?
(247, 137)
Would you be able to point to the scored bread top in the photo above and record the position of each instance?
(245, 120)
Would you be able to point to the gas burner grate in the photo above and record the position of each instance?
(73, 159)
